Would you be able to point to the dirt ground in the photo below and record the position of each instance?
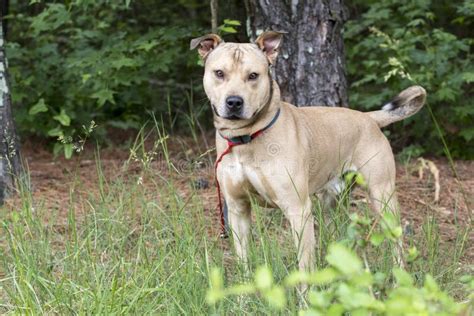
(51, 180)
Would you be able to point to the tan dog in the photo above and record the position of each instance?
(304, 152)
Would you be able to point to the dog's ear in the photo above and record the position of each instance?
(269, 42)
(205, 44)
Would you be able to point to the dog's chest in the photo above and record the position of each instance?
(247, 173)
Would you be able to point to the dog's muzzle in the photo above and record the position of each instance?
(234, 106)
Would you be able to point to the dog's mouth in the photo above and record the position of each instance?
(230, 117)
(233, 117)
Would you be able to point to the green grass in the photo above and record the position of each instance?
(130, 248)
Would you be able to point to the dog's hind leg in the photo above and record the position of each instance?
(383, 198)
(379, 174)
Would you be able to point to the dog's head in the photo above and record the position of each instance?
(237, 79)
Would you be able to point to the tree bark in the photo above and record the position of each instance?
(3, 12)
(9, 152)
(214, 15)
(310, 67)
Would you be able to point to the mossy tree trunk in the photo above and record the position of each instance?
(9, 152)
(310, 68)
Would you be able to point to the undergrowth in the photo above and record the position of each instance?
(145, 244)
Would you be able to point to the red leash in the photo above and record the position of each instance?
(231, 142)
(221, 211)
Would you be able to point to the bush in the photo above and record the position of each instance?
(347, 285)
(394, 44)
(114, 62)
(111, 62)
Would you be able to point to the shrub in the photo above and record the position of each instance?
(347, 285)
(110, 62)
(394, 44)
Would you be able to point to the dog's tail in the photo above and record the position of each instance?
(404, 105)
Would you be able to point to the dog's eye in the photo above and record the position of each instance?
(219, 74)
(253, 76)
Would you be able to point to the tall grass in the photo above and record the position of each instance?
(144, 243)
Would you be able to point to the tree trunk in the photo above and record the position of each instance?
(4, 11)
(214, 15)
(310, 66)
(9, 153)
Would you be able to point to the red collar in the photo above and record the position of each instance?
(245, 139)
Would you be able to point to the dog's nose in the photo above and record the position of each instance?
(234, 103)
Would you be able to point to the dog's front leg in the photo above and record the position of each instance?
(239, 220)
(302, 225)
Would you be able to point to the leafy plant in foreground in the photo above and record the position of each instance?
(347, 284)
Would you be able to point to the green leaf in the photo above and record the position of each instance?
(319, 299)
(232, 22)
(123, 62)
(467, 133)
(343, 259)
(324, 276)
(39, 107)
(390, 226)
(379, 278)
(468, 77)
(227, 29)
(356, 177)
(297, 277)
(403, 278)
(412, 254)
(446, 94)
(86, 77)
(397, 232)
(15, 217)
(335, 310)
(217, 282)
(54, 16)
(430, 284)
(354, 298)
(68, 150)
(364, 279)
(263, 278)
(103, 96)
(377, 239)
(359, 179)
(55, 132)
(213, 296)
(241, 289)
(276, 297)
(216, 291)
(63, 118)
(310, 312)
(416, 23)
(147, 46)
